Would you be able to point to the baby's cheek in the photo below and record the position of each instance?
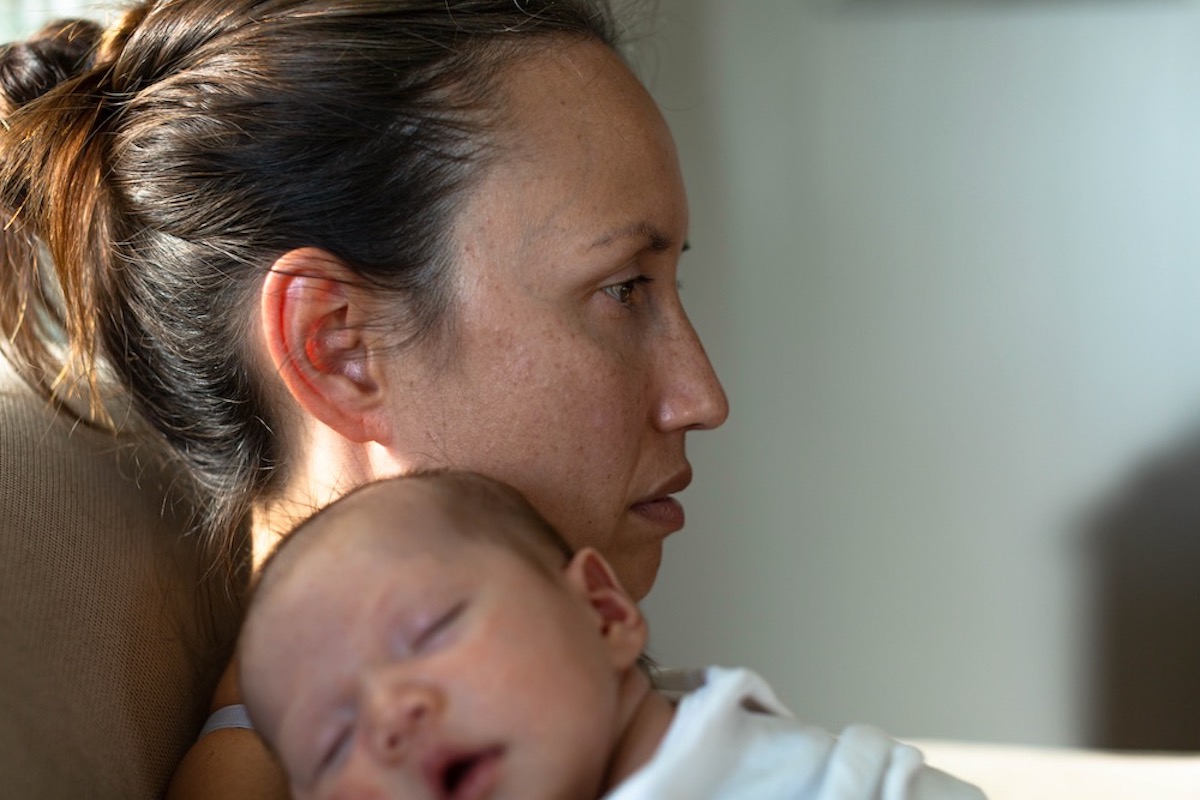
(356, 783)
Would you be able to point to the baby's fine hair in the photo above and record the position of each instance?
(152, 172)
(480, 509)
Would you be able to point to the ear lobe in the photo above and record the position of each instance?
(620, 621)
(312, 321)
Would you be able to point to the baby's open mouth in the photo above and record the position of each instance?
(470, 776)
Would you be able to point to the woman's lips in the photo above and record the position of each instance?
(664, 512)
(659, 507)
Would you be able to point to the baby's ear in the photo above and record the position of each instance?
(619, 620)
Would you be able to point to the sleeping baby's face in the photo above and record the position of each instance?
(425, 664)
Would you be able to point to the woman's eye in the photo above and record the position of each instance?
(626, 292)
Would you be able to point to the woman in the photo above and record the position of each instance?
(322, 242)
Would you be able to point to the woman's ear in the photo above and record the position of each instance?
(618, 617)
(313, 320)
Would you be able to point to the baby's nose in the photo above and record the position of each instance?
(399, 712)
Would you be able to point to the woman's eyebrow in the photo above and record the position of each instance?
(657, 240)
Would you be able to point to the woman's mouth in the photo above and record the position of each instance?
(659, 507)
(664, 512)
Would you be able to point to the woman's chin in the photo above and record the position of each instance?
(637, 567)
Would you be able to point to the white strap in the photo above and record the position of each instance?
(226, 717)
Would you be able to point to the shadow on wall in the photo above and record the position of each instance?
(1146, 599)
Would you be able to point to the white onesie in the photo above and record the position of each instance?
(731, 739)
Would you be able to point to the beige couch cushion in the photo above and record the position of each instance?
(110, 634)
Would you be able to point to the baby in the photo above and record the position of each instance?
(434, 637)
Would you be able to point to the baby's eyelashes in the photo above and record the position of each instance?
(433, 635)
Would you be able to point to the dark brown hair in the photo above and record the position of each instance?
(150, 174)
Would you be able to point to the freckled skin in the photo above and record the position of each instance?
(576, 392)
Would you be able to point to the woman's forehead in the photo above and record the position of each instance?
(576, 102)
(584, 154)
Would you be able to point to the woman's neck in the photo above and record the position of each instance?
(329, 466)
(269, 522)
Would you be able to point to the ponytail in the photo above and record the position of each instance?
(59, 51)
(54, 204)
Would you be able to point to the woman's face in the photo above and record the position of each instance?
(575, 372)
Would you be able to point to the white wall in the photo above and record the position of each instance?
(19, 18)
(946, 259)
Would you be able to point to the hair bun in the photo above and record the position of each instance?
(59, 51)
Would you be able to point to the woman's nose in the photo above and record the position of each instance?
(692, 397)
(399, 712)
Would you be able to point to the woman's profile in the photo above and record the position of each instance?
(320, 243)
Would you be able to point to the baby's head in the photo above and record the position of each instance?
(433, 637)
